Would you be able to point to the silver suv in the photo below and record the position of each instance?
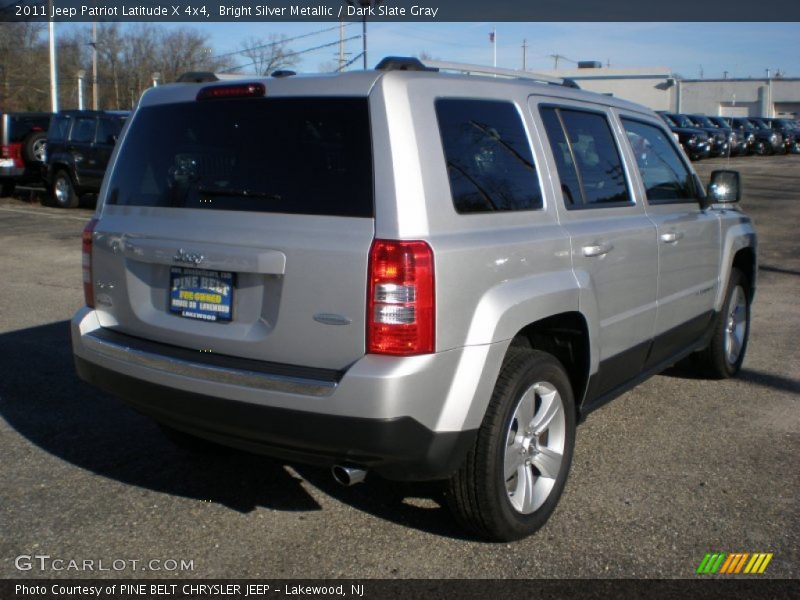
(425, 275)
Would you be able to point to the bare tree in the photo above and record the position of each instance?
(268, 55)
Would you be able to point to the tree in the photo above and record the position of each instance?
(267, 56)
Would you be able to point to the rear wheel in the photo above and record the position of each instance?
(724, 355)
(513, 477)
(63, 191)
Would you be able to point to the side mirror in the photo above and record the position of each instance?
(724, 188)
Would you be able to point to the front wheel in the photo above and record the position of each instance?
(64, 192)
(725, 353)
(515, 473)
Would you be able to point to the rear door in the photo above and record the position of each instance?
(242, 227)
(81, 150)
(688, 238)
(614, 249)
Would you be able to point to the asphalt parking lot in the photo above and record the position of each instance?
(674, 469)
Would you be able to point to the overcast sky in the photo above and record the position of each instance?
(741, 49)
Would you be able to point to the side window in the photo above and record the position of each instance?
(489, 159)
(108, 130)
(666, 177)
(83, 130)
(588, 161)
(58, 129)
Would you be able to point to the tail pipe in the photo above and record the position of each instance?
(348, 476)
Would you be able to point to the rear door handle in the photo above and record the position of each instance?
(671, 237)
(600, 249)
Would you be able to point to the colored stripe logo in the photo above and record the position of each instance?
(734, 563)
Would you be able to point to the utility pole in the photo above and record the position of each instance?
(51, 27)
(364, 5)
(494, 47)
(524, 55)
(341, 45)
(95, 90)
(556, 58)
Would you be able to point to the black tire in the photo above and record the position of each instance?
(33, 148)
(478, 493)
(7, 188)
(716, 362)
(761, 148)
(192, 443)
(63, 190)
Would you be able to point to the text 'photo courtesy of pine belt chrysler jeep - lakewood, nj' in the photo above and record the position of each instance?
(426, 271)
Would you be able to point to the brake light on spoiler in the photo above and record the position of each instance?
(238, 90)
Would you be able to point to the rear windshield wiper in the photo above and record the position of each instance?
(240, 193)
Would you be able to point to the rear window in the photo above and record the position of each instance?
(489, 160)
(284, 155)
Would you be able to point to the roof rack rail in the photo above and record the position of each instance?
(283, 73)
(206, 76)
(511, 73)
(403, 63)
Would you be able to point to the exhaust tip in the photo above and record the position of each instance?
(348, 476)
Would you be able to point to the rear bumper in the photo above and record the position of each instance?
(404, 418)
(12, 172)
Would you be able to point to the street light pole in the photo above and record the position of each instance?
(51, 27)
(95, 90)
(81, 75)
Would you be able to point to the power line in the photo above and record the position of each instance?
(288, 54)
(276, 42)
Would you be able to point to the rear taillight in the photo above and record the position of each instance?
(401, 299)
(14, 152)
(86, 259)
(239, 90)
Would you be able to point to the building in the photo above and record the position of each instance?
(660, 89)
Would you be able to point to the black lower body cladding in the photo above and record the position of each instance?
(398, 449)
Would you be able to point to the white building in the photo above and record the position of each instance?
(659, 89)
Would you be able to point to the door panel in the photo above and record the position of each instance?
(688, 238)
(613, 242)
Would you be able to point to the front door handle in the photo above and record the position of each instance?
(671, 237)
(600, 249)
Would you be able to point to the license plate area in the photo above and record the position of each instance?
(201, 294)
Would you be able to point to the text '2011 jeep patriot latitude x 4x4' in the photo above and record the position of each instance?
(430, 276)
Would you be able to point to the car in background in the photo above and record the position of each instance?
(695, 142)
(717, 138)
(766, 141)
(706, 124)
(743, 140)
(22, 148)
(79, 146)
(789, 130)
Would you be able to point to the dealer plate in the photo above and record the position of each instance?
(201, 294)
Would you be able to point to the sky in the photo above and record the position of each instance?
(689, 49)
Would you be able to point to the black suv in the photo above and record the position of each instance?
(22, 148)
(695, 142)
(79, 145)
(743, 141)
(717, 138)
(788, 130)
(766, 140)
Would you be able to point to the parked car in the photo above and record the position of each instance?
(728, 147)
(717, 138)
(695, 142)
(22, 146)
(423, 275)
(788, 130)
(79, 146)
(765, 141)
(743, 141)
